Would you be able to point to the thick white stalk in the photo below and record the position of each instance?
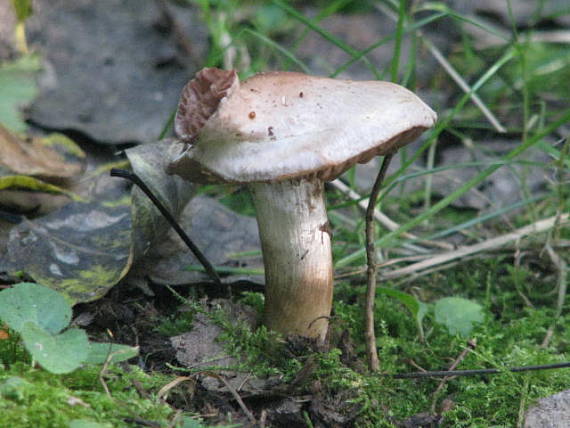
(296, 243)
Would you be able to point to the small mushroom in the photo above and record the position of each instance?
(284, 134)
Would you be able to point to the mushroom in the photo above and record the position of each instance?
(285, 134)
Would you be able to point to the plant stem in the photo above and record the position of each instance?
(135, 179)
(373, 362)
(477, 372)
(471, 344)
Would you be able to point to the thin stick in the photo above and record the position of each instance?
(445, 373)
(373, 362)
(384, 220)
(562, 268)
(463, 84)
(135, 179)
(490, 244)
(235, 395)
(104, 370)
(471, 344)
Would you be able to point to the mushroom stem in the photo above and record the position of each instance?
(296, 243)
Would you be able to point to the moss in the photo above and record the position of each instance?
(261, 352)
(176, 324)
(511, 335)
(42, 399)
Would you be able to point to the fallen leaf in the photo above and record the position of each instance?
(148, 161)
(200, 346)
(81, 250)
(36, 174)
(40, 157)
(88, 246)
(223, 236)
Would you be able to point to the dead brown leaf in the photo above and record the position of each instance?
(35, 157)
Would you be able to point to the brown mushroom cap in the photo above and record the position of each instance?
(283, 125)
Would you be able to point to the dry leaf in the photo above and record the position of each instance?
(39, 157)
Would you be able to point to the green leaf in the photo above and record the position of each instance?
(99, 352)
(87, 423)
(17, 88)
(458, 315)
(29, 302)
(60, 353)
(188, 422)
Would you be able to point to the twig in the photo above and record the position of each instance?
(175, 420)
(166, 388)
(373, 362)
(235, 395)
(463, 85)
(517, 258)
(390, 262)
(427, 272)
(471, 344)
(263, 418)
(103, 371)
(562, 268)
(485, 40)
(386, 221)
(142, 422)
(538, 227)
(135, 179)
(506, 249)
(476, 372)
(417, 366)
(246, 379)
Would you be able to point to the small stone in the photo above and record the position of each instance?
(550, 412)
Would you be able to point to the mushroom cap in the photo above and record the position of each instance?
(284, 125)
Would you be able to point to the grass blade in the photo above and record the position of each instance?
(285, 52)
(395, 64)
(390, 237)
(327, 36)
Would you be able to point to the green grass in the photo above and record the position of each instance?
(524, 84)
